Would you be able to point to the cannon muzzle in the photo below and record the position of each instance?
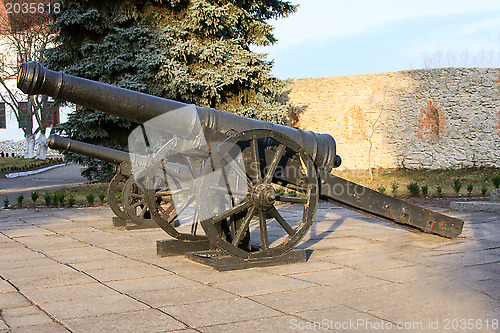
(138, 107)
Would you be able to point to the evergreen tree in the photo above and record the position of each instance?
(196, 52)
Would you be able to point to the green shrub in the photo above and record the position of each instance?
(414, 189)
(439, 191)
(71, 201)
(47, 198)
(280, 191)
(61, 199)
(90, 199)
(470, 187)
(484, 190)
(394, 187)
(292, 193)
(55, 198)
(20, 200)
(496, 181)
(425, 190)
(34, 196)
(102, 196)
(6, 203)
(381, 188)
(457, 185)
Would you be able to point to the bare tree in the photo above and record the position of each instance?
(25, 36)
(482, 58)
(369, 125)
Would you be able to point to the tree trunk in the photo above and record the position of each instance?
(42, 147)
(29, 151)
(370, 161)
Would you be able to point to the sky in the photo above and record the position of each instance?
(333, 37)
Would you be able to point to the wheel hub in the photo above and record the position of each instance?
(263, 196)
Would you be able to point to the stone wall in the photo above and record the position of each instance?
(435, 118)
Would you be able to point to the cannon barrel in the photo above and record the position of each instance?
(138, 107)
(114, 156)
(101, 153)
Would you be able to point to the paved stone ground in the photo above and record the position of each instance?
(69, 270)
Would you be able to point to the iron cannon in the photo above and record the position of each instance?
(125, 194)
(238, 175)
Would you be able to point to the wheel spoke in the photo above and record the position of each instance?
(264, 239)
(238, 208)
(166, 192)
(184, 205)
(143, 211)
(194, 171)
(169, 172)
(137, 204)
(239, 170)
(299, 200)
(157, 180)
(274, 164)
(243, 227)
(223, 190)
(281, 221)
(255, 166)
(194, 226)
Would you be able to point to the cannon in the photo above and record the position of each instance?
(236, 175)
(126, 195)
(123, 195)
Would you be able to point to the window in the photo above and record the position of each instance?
(25, 116)
(51, 114)
(2, 116)
(431, 122)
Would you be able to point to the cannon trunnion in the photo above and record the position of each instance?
(223, 180)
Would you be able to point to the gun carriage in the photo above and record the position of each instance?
(230, 172)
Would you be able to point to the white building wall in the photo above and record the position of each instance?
(8, 67)
(12, 130)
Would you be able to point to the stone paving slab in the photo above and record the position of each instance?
(26, 316)
(92, 306)
(71, 292)
(70, 270)
(148, 320)
(216, 312)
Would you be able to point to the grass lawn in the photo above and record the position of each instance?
(89, 194)
(22, 164)
(480, 178)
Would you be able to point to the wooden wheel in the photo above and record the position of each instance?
(134, 201)
(239, 181)
(115, 189)
(169, 191)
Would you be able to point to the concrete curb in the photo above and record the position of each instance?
(475, 206)
(32, 172)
